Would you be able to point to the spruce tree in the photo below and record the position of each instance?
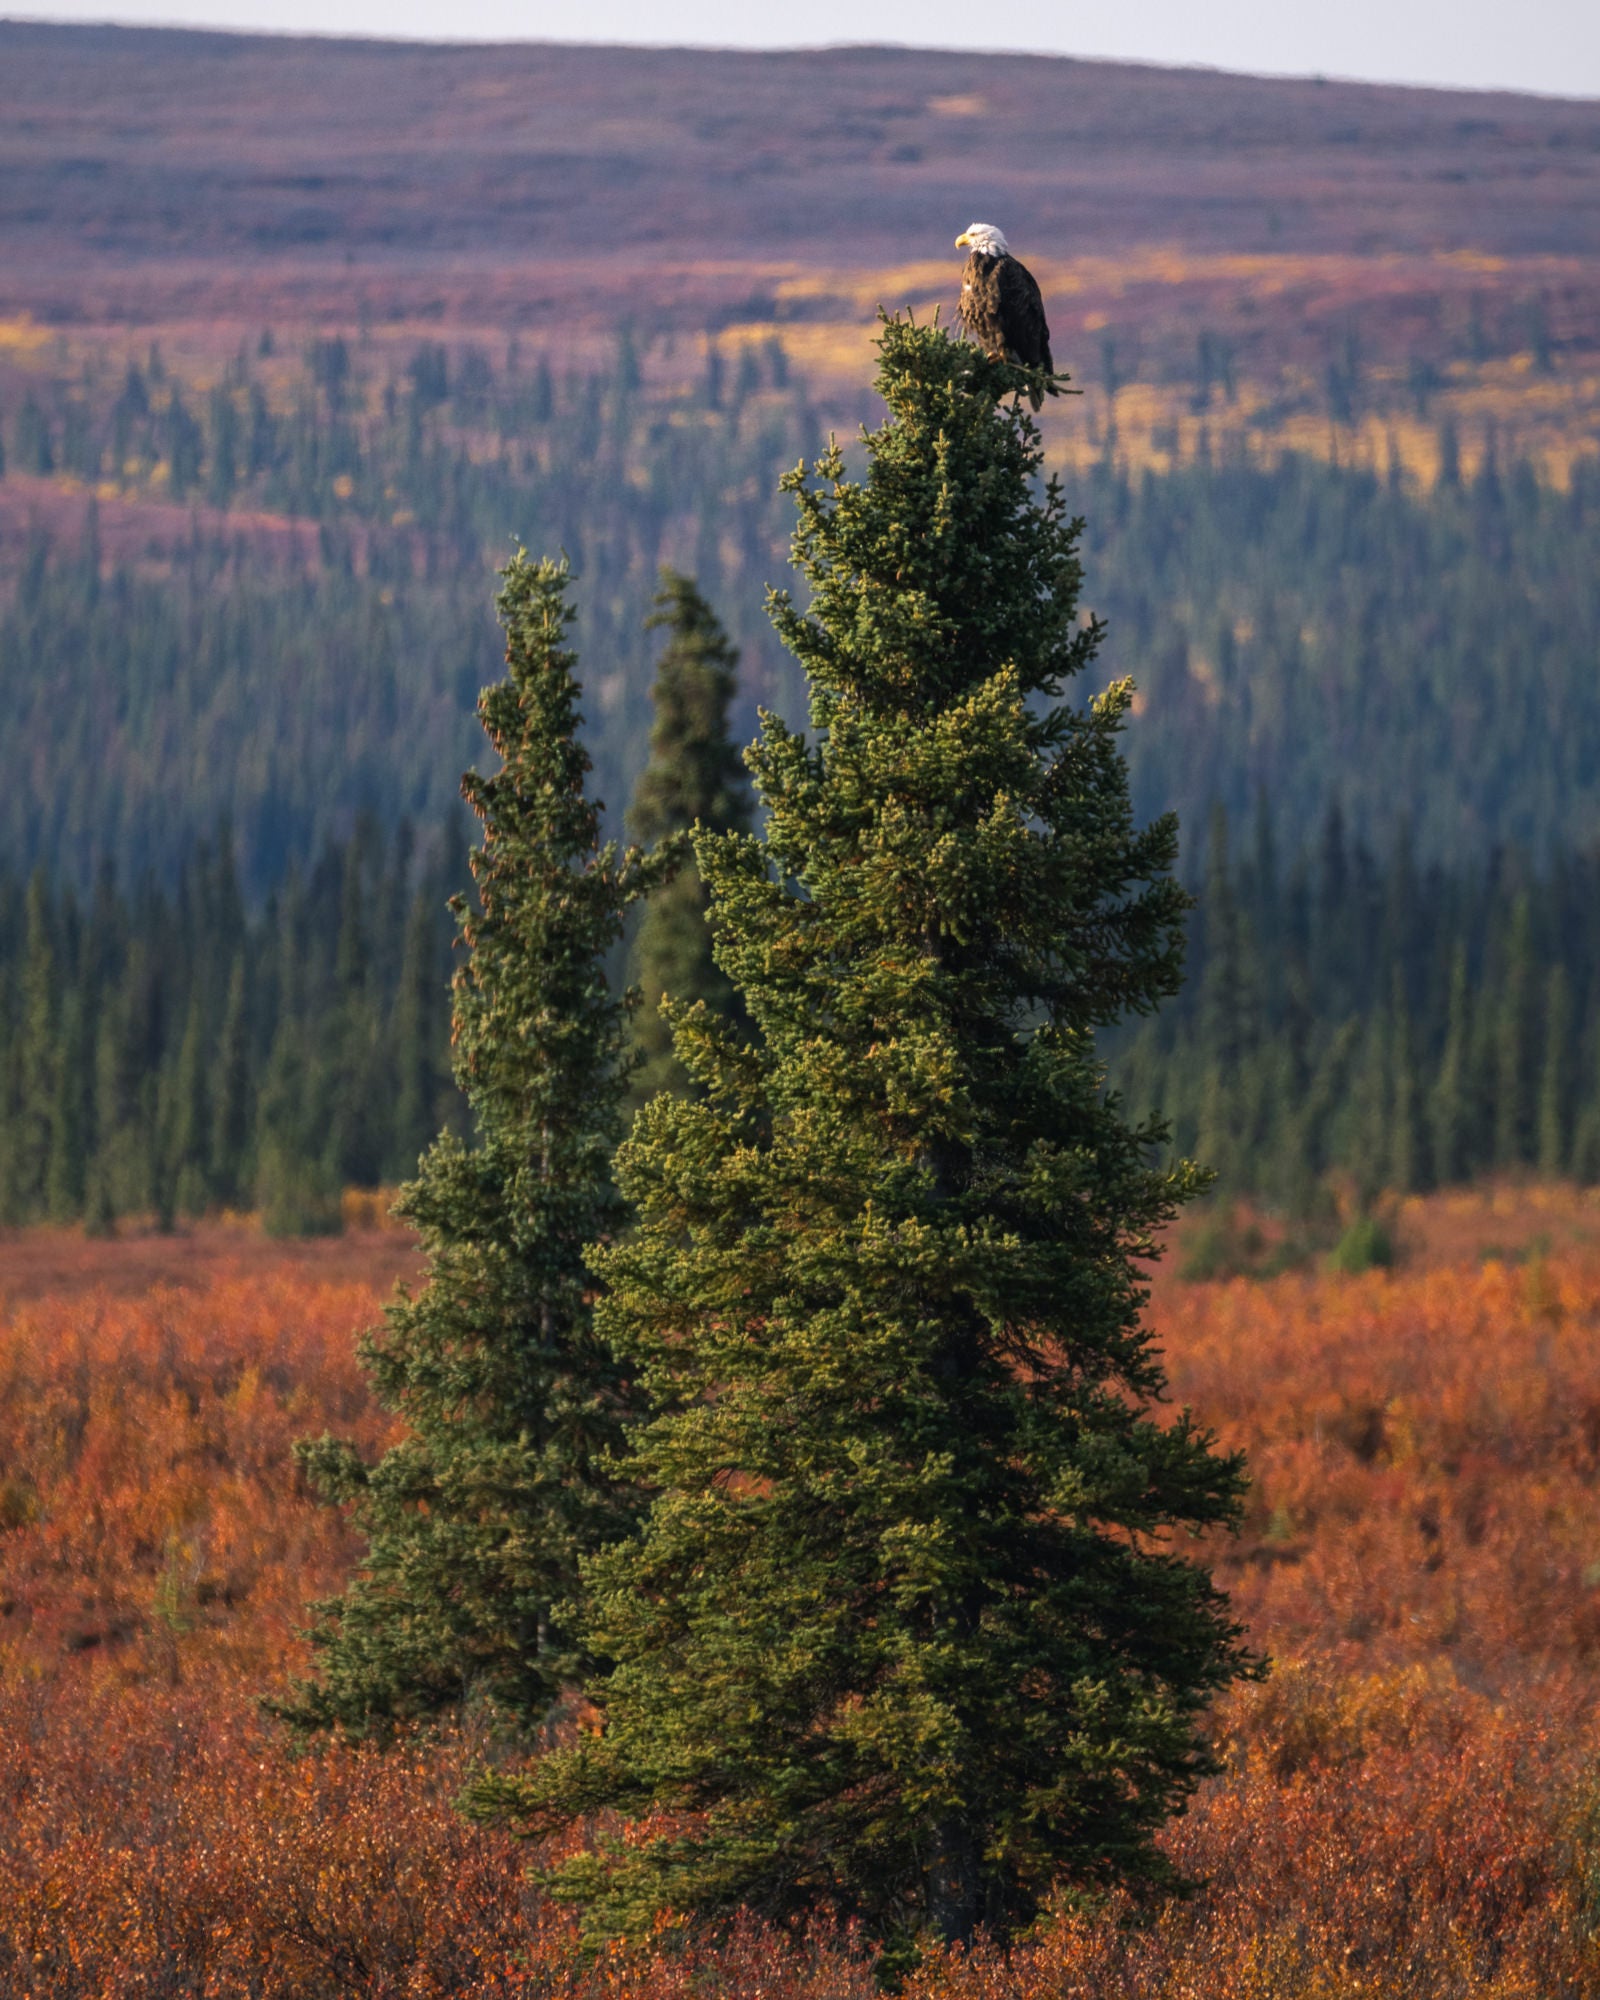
(904, 1634)
(476, 1519)
(1407, 1128)
(38, 1059)
(361, 1100)
(1222, 1010)
(418, 1036)
(125, 1060)
(1586, 1135)
(230, 1131)
(1513, 1094)
(1555, 1082)
(189, 1167)
(695, 776)
(67, 1178)
(1451, 1117)
(297, 1185)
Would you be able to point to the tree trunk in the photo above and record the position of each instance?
(953, 1889)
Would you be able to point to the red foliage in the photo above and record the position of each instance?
(145, 1470)
(1410, 1804)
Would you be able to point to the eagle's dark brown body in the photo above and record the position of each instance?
(1002, 311)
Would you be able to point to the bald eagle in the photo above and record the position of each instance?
(1000, 305)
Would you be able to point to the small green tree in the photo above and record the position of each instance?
(37, 1059)
(230, 1129)
(189, 1166)
(1408, 1161)
(1450, 1110)
(476, 1520)
(297, 1186)
(421, 1077)
(361, 1102)
(1556, 1078)
(1513, 1045)
(695, 776)
(66, 1181)
(905, 1634)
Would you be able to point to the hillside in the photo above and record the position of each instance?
(159, 176)
(248, 155)
(319, 327)
(266, 598)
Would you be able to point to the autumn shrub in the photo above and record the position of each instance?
(145, 1445)
(1424, 1448)
(1409, 1805)
(161, 1842)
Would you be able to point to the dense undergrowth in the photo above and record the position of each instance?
(1410, 1804)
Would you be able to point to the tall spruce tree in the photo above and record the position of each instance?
(1407, 1124)
(1555, 1082)
(1513, 1093)
(695, 776)
(36, 1062)
(420, 1076)
(905, 1634)
(476, 1520)
(1451, 1118)
(67, 1178)
(191, 1121)
(230, 1131)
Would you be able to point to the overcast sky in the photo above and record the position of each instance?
(1545, 45)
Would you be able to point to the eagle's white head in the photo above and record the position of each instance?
(983, 240)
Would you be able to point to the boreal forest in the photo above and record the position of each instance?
(232, 756)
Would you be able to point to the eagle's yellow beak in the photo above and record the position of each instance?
(961, 240)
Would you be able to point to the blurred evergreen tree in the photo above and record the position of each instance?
(297, 1188)
(695, 777)
(420, 1035)
(36, 1058)
(1451, 1121)
(1408, 1161)
(231, 1130)
(189, 1166)
(361, 1082)
(1513, 1107)
(1558, 1073)
(66, 1178)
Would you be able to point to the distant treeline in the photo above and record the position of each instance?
(1312, 633)
(1407, 1025)
(1303, 629)
(165, 1053)
(288, 681)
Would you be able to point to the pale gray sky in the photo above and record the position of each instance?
(1544, 45)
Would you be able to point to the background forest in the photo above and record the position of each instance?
(266, 436)
(240, 649)
(302, 635)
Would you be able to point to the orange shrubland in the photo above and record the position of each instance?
(1410, 1804)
